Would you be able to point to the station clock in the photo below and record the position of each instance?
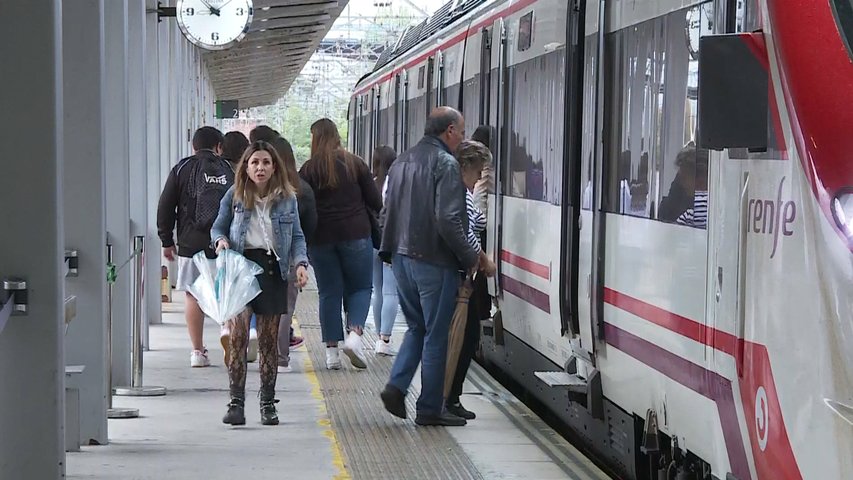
(214, 24)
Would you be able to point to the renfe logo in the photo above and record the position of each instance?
(769, 217)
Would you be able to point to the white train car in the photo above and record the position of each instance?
(673, 218)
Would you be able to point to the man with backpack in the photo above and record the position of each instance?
(191, 197)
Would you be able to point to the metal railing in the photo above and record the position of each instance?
(136, 388)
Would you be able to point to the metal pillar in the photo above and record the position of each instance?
(32, 391)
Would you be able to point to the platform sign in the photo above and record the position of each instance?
(227, 109)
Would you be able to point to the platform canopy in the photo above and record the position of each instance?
(282, 37)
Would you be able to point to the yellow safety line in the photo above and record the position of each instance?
(324, 421)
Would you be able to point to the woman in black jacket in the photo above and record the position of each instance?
(341, 249)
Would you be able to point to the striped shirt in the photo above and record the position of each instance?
(476, 221)
(698, 215)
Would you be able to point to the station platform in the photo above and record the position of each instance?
(333, 425)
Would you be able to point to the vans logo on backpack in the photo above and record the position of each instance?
(221, 180)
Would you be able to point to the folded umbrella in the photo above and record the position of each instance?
(457, 332)
(225, 285)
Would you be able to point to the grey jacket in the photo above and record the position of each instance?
(424, 216)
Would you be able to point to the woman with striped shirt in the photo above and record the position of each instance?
(472, 157)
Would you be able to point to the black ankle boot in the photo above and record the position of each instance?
(269, 416)
(236, 414)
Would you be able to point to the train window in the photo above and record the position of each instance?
(535, 156)
(588, 138)
(843, 10)
(653, 168)
(525, 32)
(748, 16)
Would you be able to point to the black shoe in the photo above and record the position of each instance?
(446, 419)
(394, 401)
(460, 411)
(269, 416)
(235, 414)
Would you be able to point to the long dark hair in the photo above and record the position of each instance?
(383, 157)
(285, 151)
(326, 151)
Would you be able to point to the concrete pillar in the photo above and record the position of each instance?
(32, 390)
(117, 176)
(153, 174)
(85, 208)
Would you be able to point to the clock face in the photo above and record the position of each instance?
(214, 24)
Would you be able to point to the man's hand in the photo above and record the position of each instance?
(301, 276)
(221, 245)
(170, 252)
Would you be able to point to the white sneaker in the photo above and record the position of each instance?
(385, 348)
(199, 359)
(252, 355)
(354, 349)
(333, 358)
(285, 369)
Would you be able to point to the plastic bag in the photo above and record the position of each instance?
(225, 285)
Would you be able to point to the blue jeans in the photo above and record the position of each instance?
(385, 302)
(428, 298)
(343, 273)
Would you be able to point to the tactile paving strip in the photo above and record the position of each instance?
(377, 445)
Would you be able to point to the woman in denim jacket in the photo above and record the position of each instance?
(258, 217)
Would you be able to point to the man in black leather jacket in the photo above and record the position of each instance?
(424, 234)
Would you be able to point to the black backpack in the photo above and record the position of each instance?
(209, 179)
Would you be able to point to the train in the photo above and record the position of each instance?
(672, 218)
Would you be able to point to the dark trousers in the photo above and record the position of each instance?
(477, 310)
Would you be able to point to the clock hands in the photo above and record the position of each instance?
(213, 11)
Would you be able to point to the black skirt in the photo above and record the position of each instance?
(273, 297)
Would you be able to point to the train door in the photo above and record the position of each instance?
(430, 85)
(404, 116)
(440, 97)
(572, 159)
(376, 139)
(485, 76)
(398, 112)
(588, 177)
(497, 118)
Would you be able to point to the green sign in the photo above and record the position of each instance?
(227, 109)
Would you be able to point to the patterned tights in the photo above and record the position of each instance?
(267, 353)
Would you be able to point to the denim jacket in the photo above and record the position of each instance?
(232, 223)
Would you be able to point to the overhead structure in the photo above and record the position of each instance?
(282, 37)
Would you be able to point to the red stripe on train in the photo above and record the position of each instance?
(449, 43)
(530, 266)
(771, 447)
(717, 339)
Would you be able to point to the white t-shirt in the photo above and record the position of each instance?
(260, 234)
